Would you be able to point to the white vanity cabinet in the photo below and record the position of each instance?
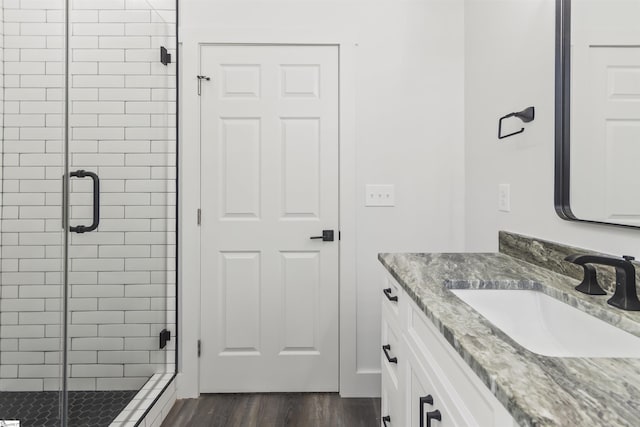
(425, 382)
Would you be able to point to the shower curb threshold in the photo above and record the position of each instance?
(149, 406)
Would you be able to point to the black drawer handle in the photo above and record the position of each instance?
(433, 415)
(386, 420)
(386, 349)
(387, 293)
(96, 202)
(428, 399)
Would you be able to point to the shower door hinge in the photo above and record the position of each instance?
(199, 216)
(165, 336)
(200, 79)
(199, 348)
(165, 56)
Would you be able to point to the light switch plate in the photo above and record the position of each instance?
(380, 195)
(504, 198)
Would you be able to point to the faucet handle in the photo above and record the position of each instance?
(589, 284)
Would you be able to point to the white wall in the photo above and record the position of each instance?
(402, 77)
(509, 57)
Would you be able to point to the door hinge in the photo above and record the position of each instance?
(199, 348)
(200, 79)
(199, 216)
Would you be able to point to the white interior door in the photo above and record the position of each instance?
(606, 132)
(269, 141)
(616, 92)
(605, 109)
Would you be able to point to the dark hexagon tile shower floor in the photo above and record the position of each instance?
(86, 408)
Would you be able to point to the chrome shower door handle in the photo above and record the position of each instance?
(96, 202)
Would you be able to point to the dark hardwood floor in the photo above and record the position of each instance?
(274, 410)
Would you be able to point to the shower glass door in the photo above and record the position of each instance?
(87, 209)
(122, 151)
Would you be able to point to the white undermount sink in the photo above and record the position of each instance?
(549, 327)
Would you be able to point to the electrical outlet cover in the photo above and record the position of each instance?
(380, 195)
(504, 198)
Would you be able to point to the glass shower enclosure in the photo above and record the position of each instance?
(87, 210)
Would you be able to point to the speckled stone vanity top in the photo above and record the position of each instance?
(537, 390)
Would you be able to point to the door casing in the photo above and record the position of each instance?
(354, 382)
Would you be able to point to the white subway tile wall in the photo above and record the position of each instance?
(31, 249)
(121, 277)
(12, 212)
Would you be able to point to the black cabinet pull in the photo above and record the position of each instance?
(387, 292)
(386, 349)
(428, 399)
(96, 202)
(327, 236)
(433, 415)
(386, 420)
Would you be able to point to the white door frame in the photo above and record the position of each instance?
(352, 382)
(274, 357)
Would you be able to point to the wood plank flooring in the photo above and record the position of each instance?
(274, 410)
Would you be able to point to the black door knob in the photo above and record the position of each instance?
(327, 236)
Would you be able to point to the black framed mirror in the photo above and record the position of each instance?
(597, 135)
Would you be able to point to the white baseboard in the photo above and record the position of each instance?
(364, 384)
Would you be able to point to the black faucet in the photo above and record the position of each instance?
(625, 295)
(589, 284)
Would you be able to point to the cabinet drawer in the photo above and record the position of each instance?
(457, 383)
(426, 403)
(390, 351)
(391, 402)
(391, 294)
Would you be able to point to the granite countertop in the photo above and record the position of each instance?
(537, 390)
